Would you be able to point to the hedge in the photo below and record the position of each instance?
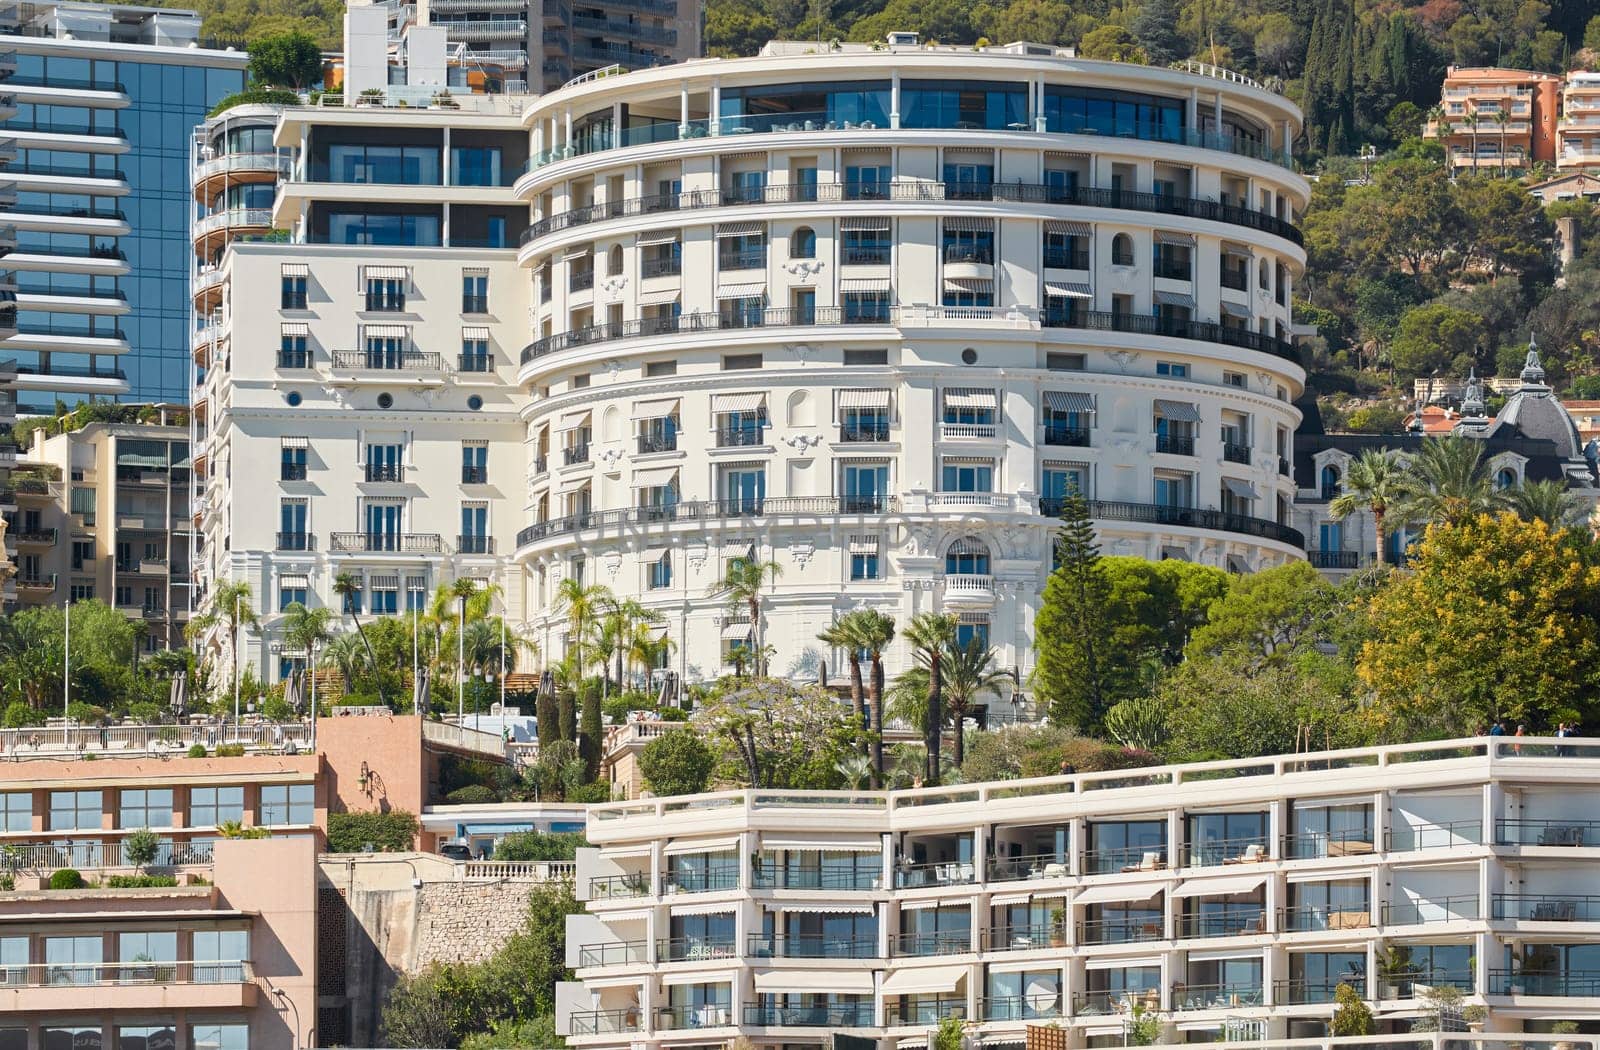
(391, 832)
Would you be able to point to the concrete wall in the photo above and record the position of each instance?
(272, 878)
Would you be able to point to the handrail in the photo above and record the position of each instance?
(931, 192)
(705, 510)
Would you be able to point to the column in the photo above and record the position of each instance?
(683, 109)
(567, 145)
(1039, 123)
(894, 99)
(444, 158)
(1216, 112)
(1191, 115)
(716, 107)
(616, 124)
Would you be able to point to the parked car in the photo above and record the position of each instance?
(455, 851)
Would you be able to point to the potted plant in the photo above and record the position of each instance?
(370, 97)
(1058, 927)
(1564, 1028)
(1475, 1014)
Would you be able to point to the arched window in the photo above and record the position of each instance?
(1122, 250)
(968, 556)
(614, 260)
(803, 245)
(1330, 481)
(1261, 275)
(1505, 478)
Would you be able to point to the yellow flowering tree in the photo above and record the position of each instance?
(1496, 619)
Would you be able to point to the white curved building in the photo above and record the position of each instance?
(869, 313)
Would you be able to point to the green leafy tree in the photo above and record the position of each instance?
(1267, 614)
(1156, 29)
(140, 848)
(540, 845)
(1351, 1016)
(388, 831)
(1437, 338)
(286, 60)
(582, 604)
(306, 629)
(770, 734)
(1497, 619)
(845, 634)
(1112, 43)
(677, 762)
(231, 603)
(348, 588)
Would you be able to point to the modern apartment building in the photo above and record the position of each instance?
(103, 512)
(1579, 127)
(871, 313)
(1534, 437)
(355, 405)
(1230, 898)
(101, 101)
(1492, 119)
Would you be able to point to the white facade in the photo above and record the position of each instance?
(1231, 897)
(870, 321)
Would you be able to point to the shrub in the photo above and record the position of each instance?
(139, 882)
(230, 750)
(589, 794)
(19, 715)
(256, 97)
(1085, 755)
(7, 883)
(677, 763)
(472, 795)
(1351, 1016)
(391, 832)
(950, 1034)
(67, 879)
(197, 751)
(540, 845)
(140, 847)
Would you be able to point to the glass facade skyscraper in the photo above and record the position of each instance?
(105, 102)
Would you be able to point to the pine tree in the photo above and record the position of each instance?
(1070, 631)
(1157, 31)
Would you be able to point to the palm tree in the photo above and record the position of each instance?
(929, 635)
(232, 603)
(1502, 118)
(645, 649)
(742, 585)
(969, 672)
(620, 622)
(346, 587)
(1375, 481)
(1450, 483)
(1550, 502)
(346, 653)
(306, 629)
(845, 633)
(877, 632)
(582, 604)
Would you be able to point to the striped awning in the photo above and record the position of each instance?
(869, 223)
(1235, 248)
(650, 238)
(968, 397)
(657, 409)
(737, 547)
(738, 402)
(386, 331)
(864, 544)
(1178, 411)
(295, 328)
(1234, 309)
(385, 583)
(573, 420)
(293, 581)
(742, 291)
(1168, 237)
(872, 285)
(294, 442)
(477, 332)
(1242, 489)
(1174, 554)
(741, 229)
(669, 295)
(296, 270)
(1068, 401)
(969, 545)
(968, 224)
(385, 273)
(656, 477)
(863, 399)
(573, 484)
(1068, 229)
(1068, 290)
(1173, 299)
(968, 284)
(735, 630)
(538, 267)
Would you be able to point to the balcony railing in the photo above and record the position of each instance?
(1314, 918)
(294, 359)
(1026, 938)
(1029, 866)
(1236, 453)
(1060, 434)
(922, 945)
(845, 1015)
(741, 437)
(1184, 517)
(938, 873)
(1175, 444)
(1202, 331)
(686, 949)
(1333, 559)
(845, 880)
(1189, 997)
(858, 434)
(387, 361)
(1304, 993)
(1095, 1003)
(616, 953)
(89, 975)
(1448, 835)
(792, 946)
(1546, 907)
(1214, 853)
(472, 474)
(618, 887)
(1125, 858)
(1120, 931)
(647, 327)
(648, 443)
(35, 537)
(1240, 921)
(1558, 832)
(386, 472)
(572, 455)
(605, 1022)
(296, 541)
(475, 363)
(829, 193)
(704, 511)
(1066, 260)
(474, 544)
(899, 1013)
(1554, 983)
(374, 542)
(1019, 1007)
(50, 856)
(700, 881)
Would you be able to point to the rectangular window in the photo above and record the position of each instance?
(659, 575)
(866, 308)
(1066, 362)
(82, 554)
(386, 294)
(217, 955)
(292, 459)
(75, 811)
(1172, 369)
(292, 293)
(141, 1037)
(145, 808)
(735, 362)
(865, 358)
(867, 181)
(474, 538)
(967, 476)
(16, 811)
(212, 1036)
(475, 165)
(73, 961)
(292, 535)
(386, 462)
(294, 350)
(291, 591)
(211, 806)
(474, 463)
(385, 596)
(475, 294)
(1233, 379)
(660, 368)
(80, 592)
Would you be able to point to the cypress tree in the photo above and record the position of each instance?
(1070, 632)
